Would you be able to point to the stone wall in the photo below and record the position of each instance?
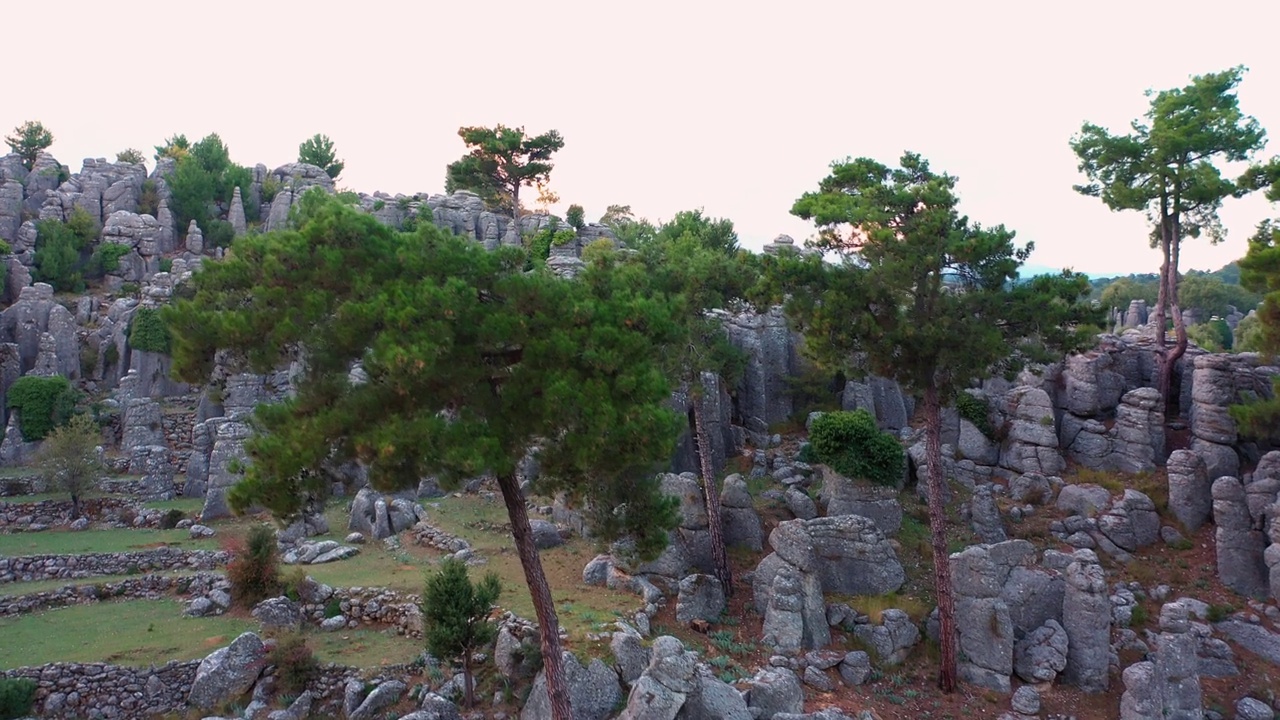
(52, 567)
(72, 690)
(144, 587)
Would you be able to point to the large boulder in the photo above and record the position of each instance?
(701, 597)
(1032, 442)
(593, 691)
(853, 556)
(228, 672)
(1086, 616)
(1190, 491)
(775, 690)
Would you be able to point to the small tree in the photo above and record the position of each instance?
(69, 459)
(130, 155)
(254, 570)
(318, 150)
(500, 162)
(455, 615)
(576, 217)
(27, 140)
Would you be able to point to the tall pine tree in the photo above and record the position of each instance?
(467, 363)
(925, 297)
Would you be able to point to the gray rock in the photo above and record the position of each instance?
(1026, 700)
(1190, 494)
(815, 678)
(596, 571)
(1240, 547)
(1254, 638)
(630, 655)
(800, 504)
(853, 556)
(984, 516)
(1031, 488)
(1041, 654)
(333, 624)
(1083, 499)
(701, 597)
(1248, 708)
(593, 691)
(775, 690)
(299, 709)
(355, 538)
(843, 496)
(1032, 443)
(545, 534)
(855, 669)
(228, 672)
(384, 696)
(278, 613)
(891, 640)
(1086, 617)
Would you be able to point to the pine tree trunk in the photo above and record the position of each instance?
(75, 506)
(938, 536)
(543, 605)
(1164, 369)
(711, 494)
(469, 692)
(1174, 354)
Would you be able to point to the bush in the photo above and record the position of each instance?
(17, 695)
(106, 259)
(130, 289)
(974, 409)
(43, 403)
(295, 665)
(148, 332)
(166, 265)
(130, 155)
(88, 360)
(853, 446)
(219, 235)
(575, 216)
(149, 200)
(254, 569)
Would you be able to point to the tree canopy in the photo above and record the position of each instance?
(27, 140)
(318, 150)
(924, 296)
(427, 355)
(1168, 167)
(501, 160)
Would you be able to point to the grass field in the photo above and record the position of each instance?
(26, 588)
(153, 632)
(66, 542)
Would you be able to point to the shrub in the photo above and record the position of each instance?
(254, 569)
(166, 265)
(270, 187)
(17, 695)
(88, 360)
(148, 332)
(853, 446)
(130, 289)
(295, 665)
(219, 235)
(43, 403)
(130, 155)
(57, 258)
(149, 200)
(106, 259)
(974, 409)
(575, 216)
(68, 459)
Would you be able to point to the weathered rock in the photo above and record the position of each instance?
(228, 672)
(1240, 548)
(1190, 493)
(1032, 443)
(1041, 654)
(984, 516)
(593, 691)
(701, 598)
(843, 496)
(1086, 616)
(1026, 700)
(855, 669)
(853, 556)
(387, 693)
(891, 640)
(630, 655)
(545, 534)
(278, 613)
(775, 690)
(1248, 708)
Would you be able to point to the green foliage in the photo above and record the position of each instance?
(852, 444)
(17, 696)
(1121, 291)
(5, 248)
(176, 147)
(106, 259)
(318, 150)
(43, 403)
(88, 359)
(130, 155)
(1214, 335)
(500, 161)
(68, 459)
(60, 248)
(166, 264)
(576, 217)
(455, 614)
(975, 410)
(254, 569)
(1212, 296)
(1258, 416)
(541, 242)
(295, 664)
(147, 331)
(130, 289)
(439, 325)
(1248, 334)
(220, 234)
(27, 140)
(204, 179)
(270, 187)
(149, 198)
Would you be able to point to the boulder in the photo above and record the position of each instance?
(278, 613)
(1190, 492)
(228, 672)
(701, 597)
(775, 690)
(593, 691)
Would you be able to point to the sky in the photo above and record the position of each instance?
(735, 108)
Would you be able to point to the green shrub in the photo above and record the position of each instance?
(106, 259)
(254, 569)
(130, 155)
(57, 258)
(149, 199)
(166, 265)
(43, 403)
(333, 608)
(575, 216)
(270, 187)
(220, 234)
(130, 289)
(148, 332)
(295, 665)
(974, 409)
(17, 695)
(5, 248)
(88, 360)
(853, 446)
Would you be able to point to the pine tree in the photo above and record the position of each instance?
(455, 616)
(501, 160)
(318, 150)
(27, 140)
(469, 362)
(927, 298)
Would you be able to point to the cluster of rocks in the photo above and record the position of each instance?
(29, 568)
(378, 516)
(143, 587)
(1246, 517)
(1117, 527)
(843, 554)
(1217, 382)
(44, 514)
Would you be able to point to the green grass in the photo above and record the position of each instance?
(189, 506)
(144, 632)
(125, 633)
(40, 497)
(65, 542)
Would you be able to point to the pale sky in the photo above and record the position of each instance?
(737, 108)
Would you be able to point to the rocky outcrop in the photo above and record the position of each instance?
(738, 516)
(228, 672)
(1032, 443)
(764, 394)
(1190, 493)
(843, 496)
(1168, 684)
(593, 691)
(676, 685)
(379, 516)
(1240, 544)
(34, 315)
(882, 398)
(1086, 616)
(1218, 382)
